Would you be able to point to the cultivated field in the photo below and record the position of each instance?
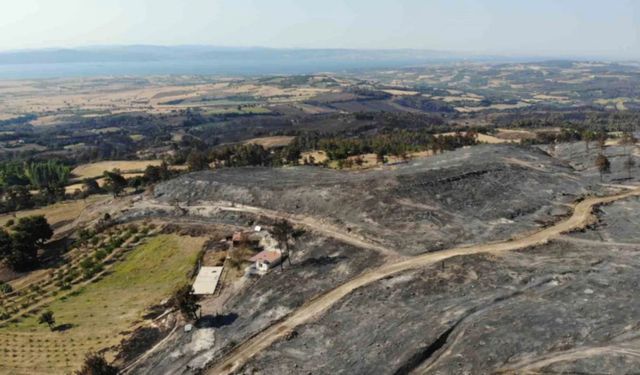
(91, 98)
(99, 314)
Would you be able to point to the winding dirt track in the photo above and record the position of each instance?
(531, 365)
(581, 217)
(312, 223)
(315, 225)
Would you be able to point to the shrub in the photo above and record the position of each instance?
(5, 288)
(96, 364)
(100, 255)
(90, 268)
(185, 301)
(85, 234)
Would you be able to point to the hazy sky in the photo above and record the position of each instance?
(551, 27)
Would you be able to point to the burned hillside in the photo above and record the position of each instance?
(472, 195)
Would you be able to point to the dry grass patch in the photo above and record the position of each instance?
(56, 214)
(482, 138)
(93, 170)
(71, 189)
(368, 160)
(318, 157)
(270, 142)
(514, 134)
(401, 92)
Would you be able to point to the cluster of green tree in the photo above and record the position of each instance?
(16, 198)
(187, 302)
(50, 176)
(390, 142)
(397, 143)
(18, 179)
(116, 183)
(19, 248)
(12, 173)
(153, 174)
(563, 136)
(580, 119)
(47, 175)
(245, 155)
(574, 134)
(96, 364)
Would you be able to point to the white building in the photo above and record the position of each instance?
(266, 260)
(207, 280)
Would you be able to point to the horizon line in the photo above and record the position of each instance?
(461, 53)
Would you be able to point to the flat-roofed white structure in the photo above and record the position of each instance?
(207, 280)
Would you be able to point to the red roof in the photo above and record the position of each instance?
(239, 237)
(266, 256)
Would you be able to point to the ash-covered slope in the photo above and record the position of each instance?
(472, 195)
(564, 307)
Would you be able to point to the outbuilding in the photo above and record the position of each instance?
(207, 280)
(239, 238)
(266, 260)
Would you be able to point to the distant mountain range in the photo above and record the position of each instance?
(148, 60)
(145, 53)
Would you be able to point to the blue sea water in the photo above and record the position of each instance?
(92, 69)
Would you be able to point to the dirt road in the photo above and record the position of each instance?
(532, 365)
(582, 216)
(316, 225)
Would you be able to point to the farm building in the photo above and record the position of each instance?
(207, 280)
(265, 260)
(239, 238)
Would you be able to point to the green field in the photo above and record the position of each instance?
(99, 313)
